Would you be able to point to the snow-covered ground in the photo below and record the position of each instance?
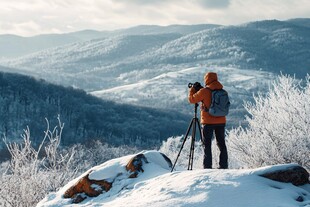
(157, 186)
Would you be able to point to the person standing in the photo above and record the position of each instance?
(210, 124)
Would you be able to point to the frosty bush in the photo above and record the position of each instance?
(279, 127)
(97, 153)
(33, 173)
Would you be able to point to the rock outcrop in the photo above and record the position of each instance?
(296, 175)
(86, 187)
(100, 179)
(134, 165)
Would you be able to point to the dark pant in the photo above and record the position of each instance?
(207, 135)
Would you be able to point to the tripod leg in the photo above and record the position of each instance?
(199, 127)
(192, 149)
(185, 138)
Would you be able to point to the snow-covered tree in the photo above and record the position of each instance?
(279, 127)
(172, 147)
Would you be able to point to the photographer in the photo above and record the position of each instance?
(210, 124)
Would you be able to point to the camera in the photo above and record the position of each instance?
(196, 85)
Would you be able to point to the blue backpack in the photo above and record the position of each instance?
(219, 103)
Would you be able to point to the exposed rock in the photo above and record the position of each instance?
(135, 165)
(296, 175)
(167, 160)
(300, 199)
(87, 186)
(79, 198)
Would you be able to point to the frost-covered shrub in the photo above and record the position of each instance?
(97, 153)
(279, 127)
(172, 147)
(33, 172)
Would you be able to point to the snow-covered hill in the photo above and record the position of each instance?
(152, 67)
(169, 90)
(269, 45)
(15, 46)
(157, 186)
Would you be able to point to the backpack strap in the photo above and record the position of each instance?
(203, 107)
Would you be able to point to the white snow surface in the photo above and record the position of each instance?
(157, 186)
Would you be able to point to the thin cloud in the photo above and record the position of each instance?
(31, 17)
(146, 2)
(214, 4)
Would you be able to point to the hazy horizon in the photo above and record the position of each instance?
(34, 17)
(124, 28)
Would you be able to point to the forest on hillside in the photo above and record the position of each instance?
(26, 101)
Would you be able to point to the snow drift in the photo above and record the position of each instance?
(156, 186)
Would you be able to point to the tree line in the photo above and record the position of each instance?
(26, 101)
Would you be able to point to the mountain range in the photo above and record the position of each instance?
(14, 46)
(271, 45)
(150, 66)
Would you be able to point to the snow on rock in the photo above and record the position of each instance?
(155, 185)
(294, 174)
(101, 178)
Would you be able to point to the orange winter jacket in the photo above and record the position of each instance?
(204, 95)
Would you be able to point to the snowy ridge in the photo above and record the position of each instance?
(10, 44)
(150, 68)
(169, 90)
(156, 186)
(269, 45)
(234, 79)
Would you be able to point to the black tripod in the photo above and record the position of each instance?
(194, 123)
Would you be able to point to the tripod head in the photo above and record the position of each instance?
(196, 106)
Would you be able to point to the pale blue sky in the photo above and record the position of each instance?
(32, 17)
